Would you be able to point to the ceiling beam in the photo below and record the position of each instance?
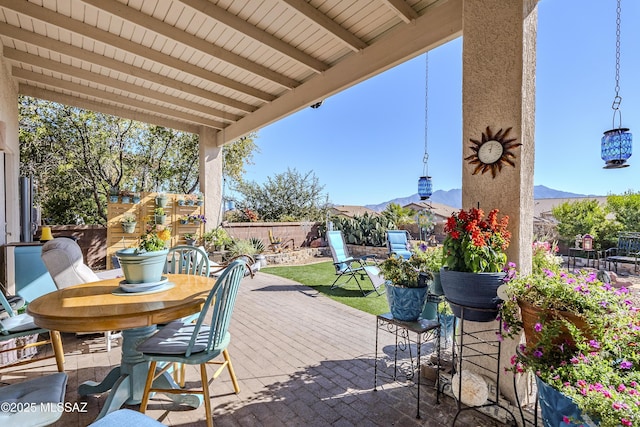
(30, 76)
(79, 73)
(49, 17)
(172, 33)
(437, 26)
(112, 110)
(80, 54)
(402, 9)
(219, 14)
(326, 23)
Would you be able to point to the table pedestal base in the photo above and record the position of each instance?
(126, 381)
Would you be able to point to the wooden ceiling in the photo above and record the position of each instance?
(232, 65)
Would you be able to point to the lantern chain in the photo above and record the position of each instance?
(425, 159)
(617, 100)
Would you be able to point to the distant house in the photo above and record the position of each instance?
(349, 211)
(441, 213)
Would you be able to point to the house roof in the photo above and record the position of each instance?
(352, 210)
(230, 65)
(440, 210)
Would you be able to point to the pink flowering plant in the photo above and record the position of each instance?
(597, 366)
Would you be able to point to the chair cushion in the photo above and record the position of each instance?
(126, 418)
(46, 389)
(174, 339)
(63, 258)
(19, 323)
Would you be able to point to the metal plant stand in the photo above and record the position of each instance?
(424, 331)
(469, 348)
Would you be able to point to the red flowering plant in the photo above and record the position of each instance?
(476, 244)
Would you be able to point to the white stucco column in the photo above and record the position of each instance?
(499, 53)
(211, 176)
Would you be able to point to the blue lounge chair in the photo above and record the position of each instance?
(349, 266)
(398, 243)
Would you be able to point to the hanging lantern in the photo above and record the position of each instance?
(587, 242)
(425, 188)
(616, 148)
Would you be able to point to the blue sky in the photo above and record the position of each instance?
(366, 143)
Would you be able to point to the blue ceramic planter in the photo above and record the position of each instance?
(144, 267)
(555, 406)
(476, 292)
(406, 304)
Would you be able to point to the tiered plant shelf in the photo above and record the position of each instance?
(144, 214)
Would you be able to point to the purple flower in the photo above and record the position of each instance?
(423, 247)
(625, 364)
(537, 327)
(538, 353)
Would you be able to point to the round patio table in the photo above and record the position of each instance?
(101, 306)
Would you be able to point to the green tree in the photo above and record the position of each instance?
(626, 208)
(399, 215)
(76, 156)
(289, 196)
(585, 217)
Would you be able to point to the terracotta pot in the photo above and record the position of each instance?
(532, 315)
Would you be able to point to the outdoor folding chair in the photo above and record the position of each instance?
(349, 266)
(398, 243)
(22, 325)
(199, 343)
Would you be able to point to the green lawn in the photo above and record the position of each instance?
(320, 276)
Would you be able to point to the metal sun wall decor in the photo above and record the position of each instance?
(492, 151)
(615, 145)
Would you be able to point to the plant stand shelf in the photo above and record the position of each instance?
(424, 330)
(468, 347)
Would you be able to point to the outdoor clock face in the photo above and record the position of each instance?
(492, 152)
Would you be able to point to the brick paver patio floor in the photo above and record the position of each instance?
(301, 359)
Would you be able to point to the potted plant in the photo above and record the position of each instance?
(135, 198)
(198, 219)
(181, 200)
(161, 200)
(114, 192)
(473, 260)
(125, 196)
(216, 239)
(582, 346)
(145, 263)
(199, 199)
(190, 199)
(159, 215)
(406, 294)
(184, 219)
(190, 238)
(128, 223)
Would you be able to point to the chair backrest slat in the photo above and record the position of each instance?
(185, 259)
(222, 297)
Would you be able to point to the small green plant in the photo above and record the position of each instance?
(258, 244)
(158, 211)
(128, 219)
(242, 247)
(190, 236)
(216, 237)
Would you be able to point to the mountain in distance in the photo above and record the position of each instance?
(453, 197)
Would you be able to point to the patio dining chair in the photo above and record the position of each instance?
(398, 243)
(15, 325)
(39, 401)
(64, 261)
(199, 343)
(348, 266)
